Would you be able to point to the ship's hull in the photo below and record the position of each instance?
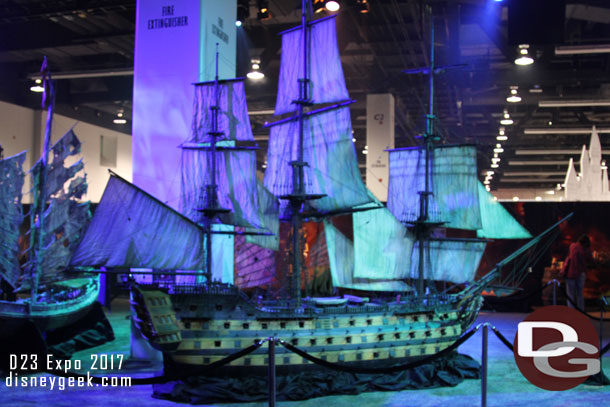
(194, 329)
(49, 315)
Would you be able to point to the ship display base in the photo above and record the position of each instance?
(448, 371)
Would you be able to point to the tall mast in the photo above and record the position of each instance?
(424, 225)
(37, 214)
(211, 208)
(298, 187)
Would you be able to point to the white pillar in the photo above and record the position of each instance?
(379, 137)
(175, 47)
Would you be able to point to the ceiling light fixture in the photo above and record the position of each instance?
(506, 121)
(582, 49)
(37, 88)
(513, 98)
(501, 138)
(524, 58)
(255, 74)
(494, 166)
(119, 118)
(332, 5)
(574, 130)
(574, 103)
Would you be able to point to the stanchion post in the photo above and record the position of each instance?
(601, 339)
(271, 371)
(554, 292)
(484, 365)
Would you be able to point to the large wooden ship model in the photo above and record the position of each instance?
(57, 220)
(405, 308)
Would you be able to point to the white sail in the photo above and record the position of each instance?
(341, 259)
(496, 221)
(235, 166)
(327, 83)
(233, 118)
(449, 260)
(332, 166)
(453, 181)
(380, 245)
(131, 229)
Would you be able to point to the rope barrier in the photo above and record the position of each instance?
(502, 338)
(167, 378)
(576, 307)
(391, 369)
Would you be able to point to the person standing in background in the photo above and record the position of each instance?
(575, 270)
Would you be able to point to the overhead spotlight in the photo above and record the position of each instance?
(243, 11)
(524, 58)
(263, 10)
(513, 97)
(363, 6)
(332, 5)
(506, 121)
(37, 87)
(494, 166)
(119, 118)
(255, 74)
(502, 135)
(515, 198)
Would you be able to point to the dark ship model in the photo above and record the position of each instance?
(40, 290)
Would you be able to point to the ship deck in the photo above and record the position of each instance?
(506, 385)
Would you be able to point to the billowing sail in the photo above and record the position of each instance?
(449, 260)
(453, 183)
(66, 218)
(132, 229)
(332, 166)
(268, 208)
(380, 245)
(11, 184)
(233, 118)
(235, 166)
(235, 176)
(497, 222)
(327, 83)
(341, 259)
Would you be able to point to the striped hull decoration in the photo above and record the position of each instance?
(212, 327)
